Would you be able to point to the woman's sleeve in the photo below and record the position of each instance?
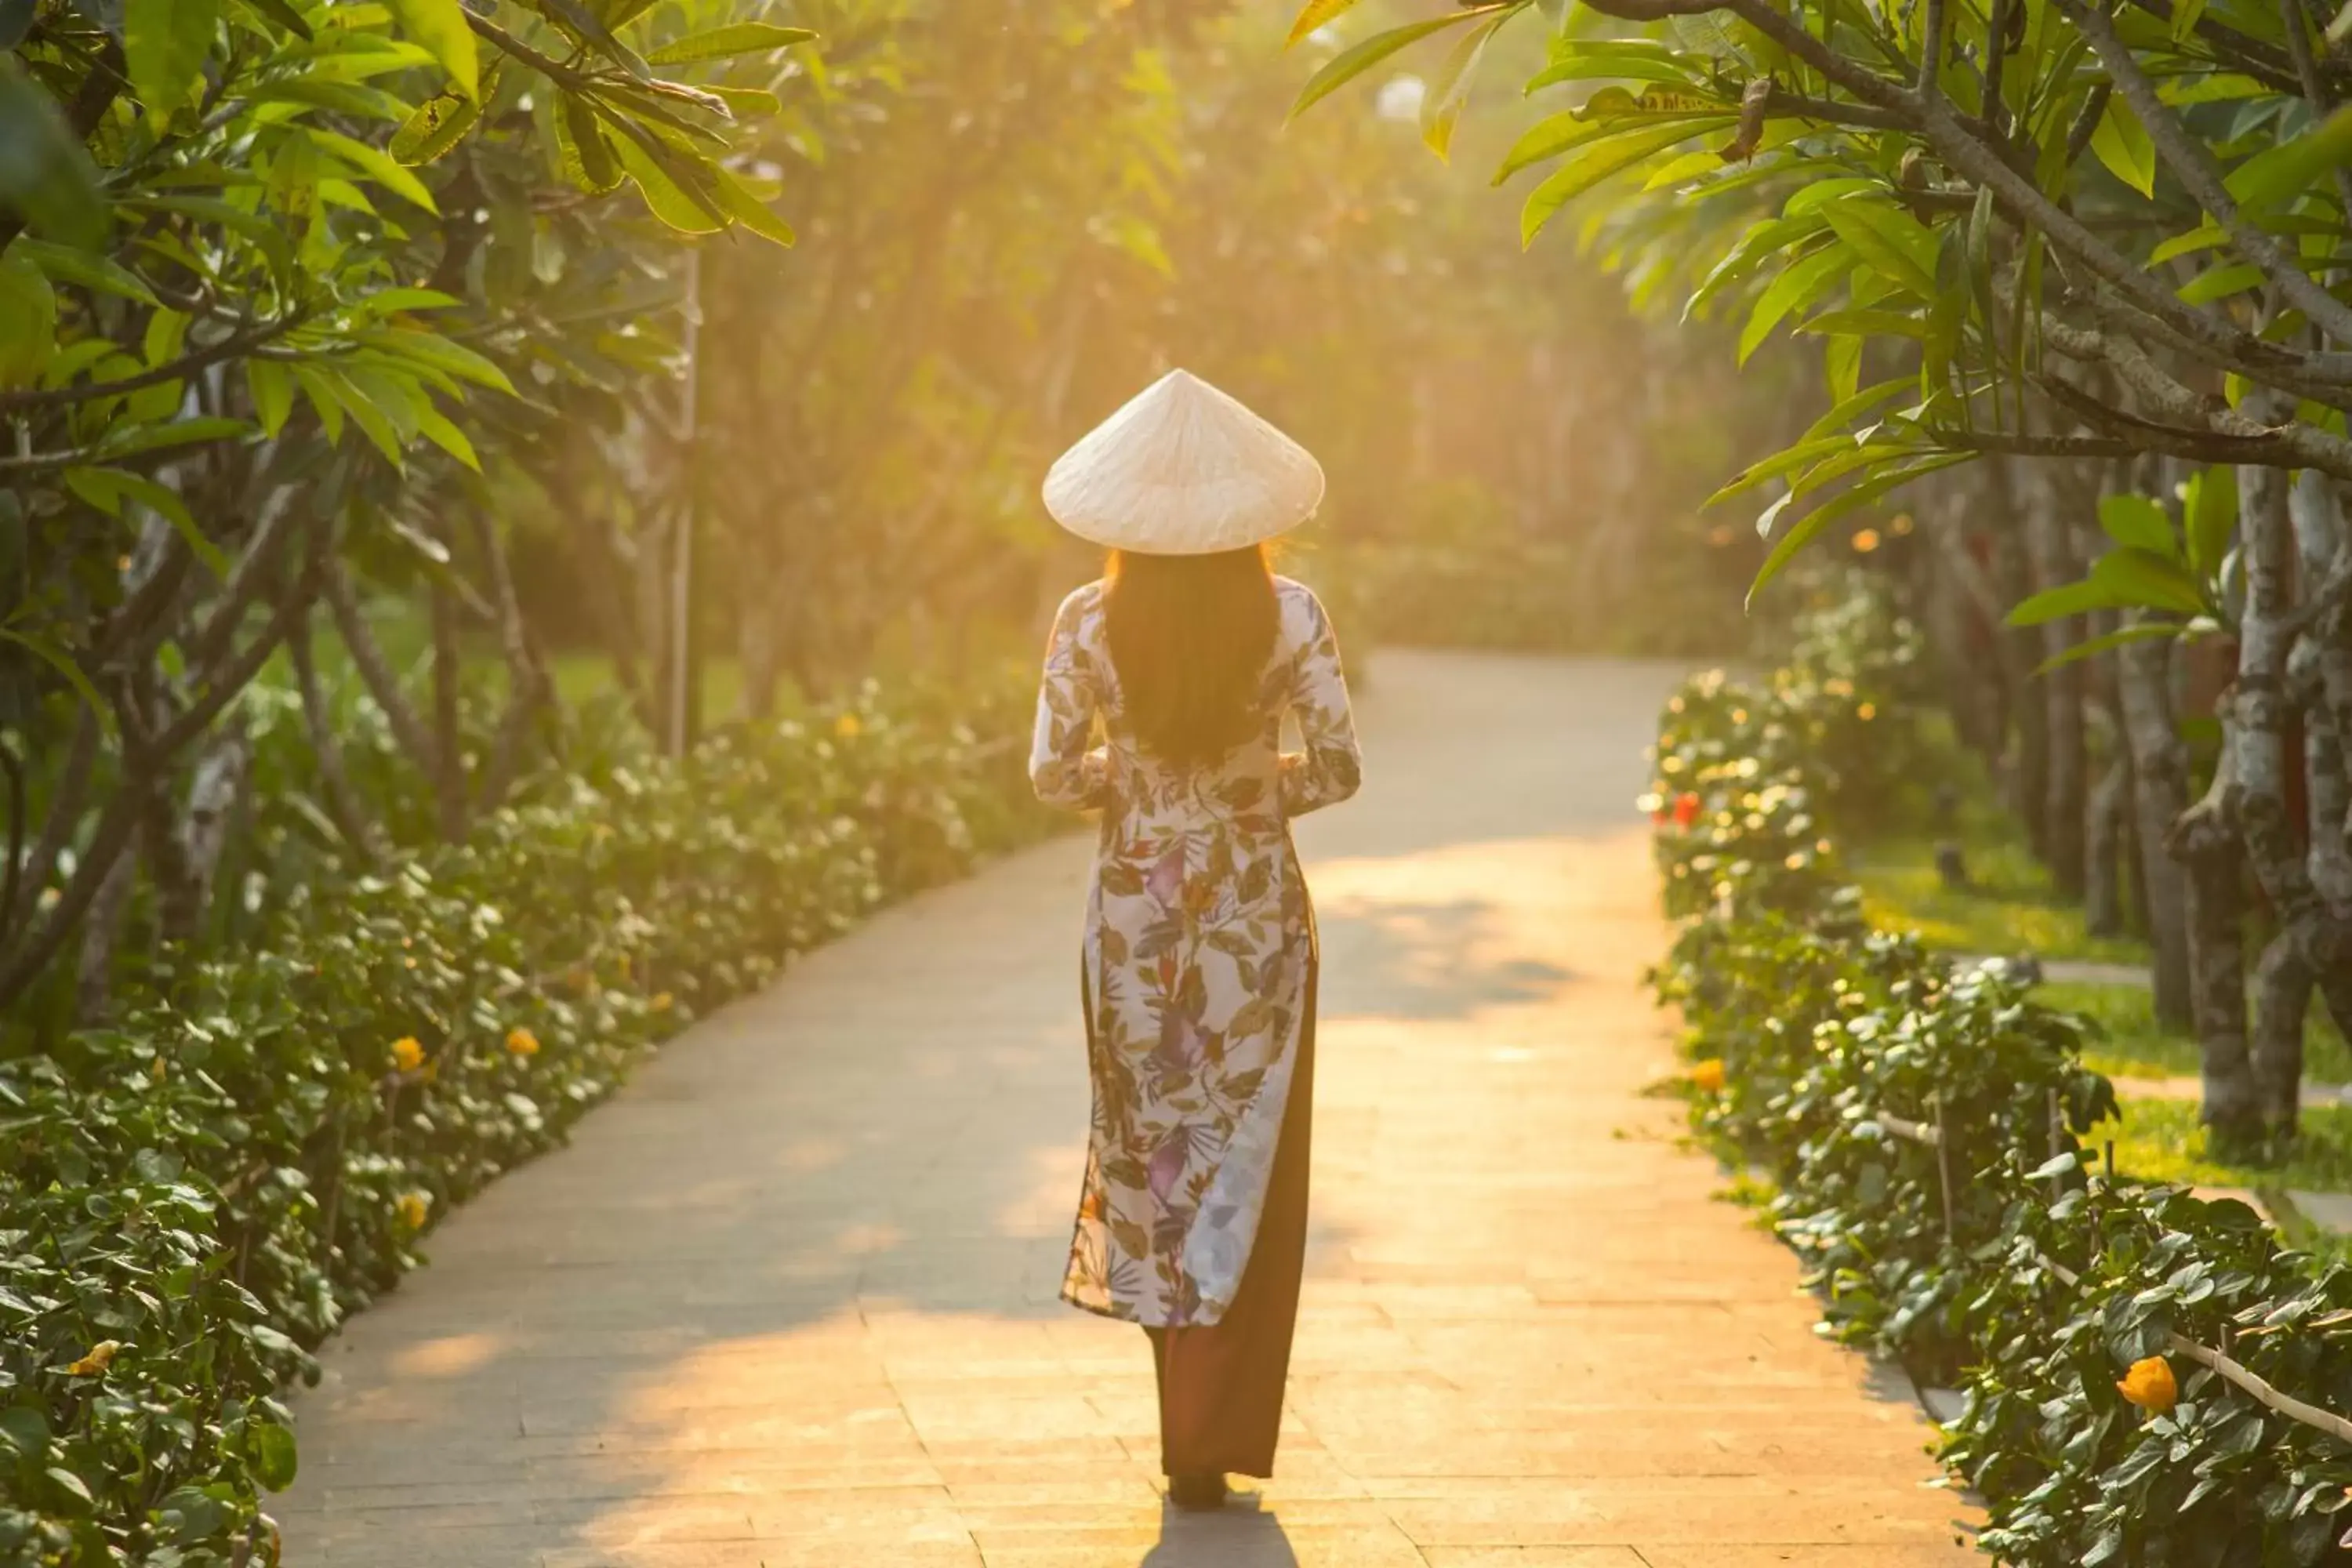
(1330, 768)
(1061, 768)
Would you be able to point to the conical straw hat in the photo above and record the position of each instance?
(1183, 469)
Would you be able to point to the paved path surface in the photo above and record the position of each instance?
(790, 1299)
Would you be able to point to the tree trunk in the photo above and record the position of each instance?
(2108, 833)
(2205, 840)
(2026, 776)
(342, 801)
(2257, 716)
(2324, 547)
(2049, 541)
(448, 756)
(201, 832)
(101, 930)
(2159, 772)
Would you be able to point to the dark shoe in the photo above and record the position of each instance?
(1202, 1490)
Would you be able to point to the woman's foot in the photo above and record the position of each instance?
(1200, 1489)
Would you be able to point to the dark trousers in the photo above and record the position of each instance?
(1221, 1387)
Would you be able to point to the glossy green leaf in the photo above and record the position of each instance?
(1899, 246)
(272, 389)
(2209, 517)
(99, 274)
(2138, 521)
(2151, 581)
(1448, 89)
(1315, 15)
(669, 200)
(46, 174)
(59, 660)
(438, 124)
(440, 27)
(751, 212)
(2121, 142)
(1870, 491)
(1353, 62)
(1865, 323)
(2141, 631)
(2064, 602)
(28, 321)
(1798, 285)
(437, 428)
(1547, 138)
(721, 43)
(108, 488)
(164, 43)
(374, 163)
(1613, 155)
(2277, 176)
(271, 1449)
(1741, 262)
(587, 154)
(2221, 282)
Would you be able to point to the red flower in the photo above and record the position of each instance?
(1686, 809)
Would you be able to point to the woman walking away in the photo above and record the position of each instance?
(1199, 967)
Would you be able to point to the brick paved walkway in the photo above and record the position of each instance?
(789, 1299)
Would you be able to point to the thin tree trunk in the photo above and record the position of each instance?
(2322, 546)
(342, 801)
(2107, 834)
(202, 832)
(2049, 541)
(530, 686)
(2205, 840)
(101, 931)
(448, 755)
(2026, 775)
(2317, 942)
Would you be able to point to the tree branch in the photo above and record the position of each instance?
(2192, 164)
(376, 670)
(228, 348)
(344, 807)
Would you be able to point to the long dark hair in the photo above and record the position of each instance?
(1190, 637)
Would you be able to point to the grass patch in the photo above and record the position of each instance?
(2161, 1140)
(2010, 907)
(2137, 1046)
(582, 675)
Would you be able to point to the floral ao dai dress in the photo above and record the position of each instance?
(1199, 963)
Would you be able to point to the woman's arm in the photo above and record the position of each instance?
(1061, 768)
(1330, 768)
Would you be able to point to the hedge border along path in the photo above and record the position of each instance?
(2077, 1312)
(196, 1196)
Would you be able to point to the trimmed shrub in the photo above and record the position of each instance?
(197, 1194)
(1925, 1127)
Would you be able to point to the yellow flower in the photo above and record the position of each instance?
(1707, 1076)
(406, 1053)
(96, 1362)
(1866, 712)
(521, 1043)
(2149, 1385)
(412, 1208)
(848, 726)
(1865, 540)
(662, 1002)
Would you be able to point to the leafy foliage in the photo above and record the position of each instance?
(2011, 228)
(2059, 1297)
(199, 1193)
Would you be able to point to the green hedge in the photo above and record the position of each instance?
(1820, 1039)
(194, 1197)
